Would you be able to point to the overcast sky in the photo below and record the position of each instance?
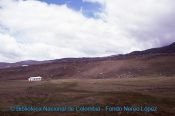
(45, 29)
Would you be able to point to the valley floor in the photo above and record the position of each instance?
(143, 91)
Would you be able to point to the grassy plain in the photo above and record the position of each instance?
(142, 91)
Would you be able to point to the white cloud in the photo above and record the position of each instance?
(9, 48)
(38, 31)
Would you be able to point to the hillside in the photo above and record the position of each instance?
(166, 49)
(152, 62)
(4, 65)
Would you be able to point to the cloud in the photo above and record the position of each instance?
(9, 48)
(39, 31)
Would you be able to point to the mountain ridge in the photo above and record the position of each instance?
(158, 62)
(165, 49)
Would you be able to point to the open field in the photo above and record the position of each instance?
(143, 91)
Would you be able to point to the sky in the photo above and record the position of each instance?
(50, 29)
(88, 9)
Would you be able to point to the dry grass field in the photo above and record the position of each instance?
(142, 91)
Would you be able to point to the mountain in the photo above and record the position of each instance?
(22, 63)
(4, 65)
(150, 63)
(166, 49)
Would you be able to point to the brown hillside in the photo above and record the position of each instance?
(133, 66)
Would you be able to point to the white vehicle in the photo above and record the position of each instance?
(38, 78)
